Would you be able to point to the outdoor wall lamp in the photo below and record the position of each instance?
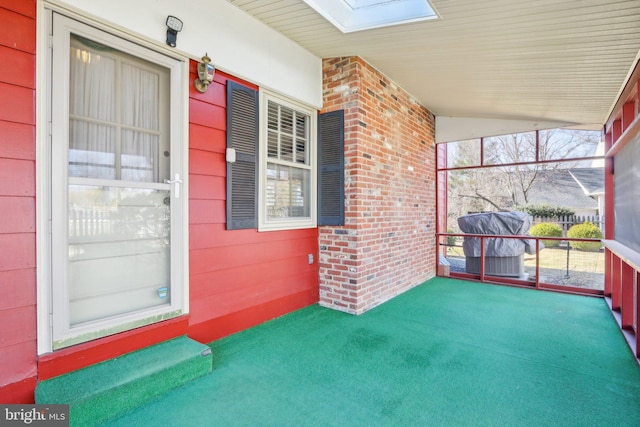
(174, 26)
(206, 70)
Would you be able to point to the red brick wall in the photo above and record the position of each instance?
(388, 242)
(17, 201)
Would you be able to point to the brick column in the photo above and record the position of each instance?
(387, 244)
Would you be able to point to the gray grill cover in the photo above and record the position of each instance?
(498, 223)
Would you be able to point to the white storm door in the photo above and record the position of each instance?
(116, 174)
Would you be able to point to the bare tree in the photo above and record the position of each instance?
(516, 167)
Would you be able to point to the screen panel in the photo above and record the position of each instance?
(627, 195)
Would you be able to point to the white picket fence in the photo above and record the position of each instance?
(566, 222)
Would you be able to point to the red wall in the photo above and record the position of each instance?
(237, 278)
(622, 264)
(17, 201)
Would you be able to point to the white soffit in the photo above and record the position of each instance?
(358, 15)
(545, 60)
(450, 129)
(236, 42)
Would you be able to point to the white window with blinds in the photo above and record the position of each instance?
(282, 150)
(287, 164)
(117, 184)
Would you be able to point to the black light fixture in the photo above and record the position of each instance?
(174, 26)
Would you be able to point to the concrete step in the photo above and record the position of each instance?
(109, 389)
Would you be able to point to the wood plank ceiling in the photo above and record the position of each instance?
(557, 60)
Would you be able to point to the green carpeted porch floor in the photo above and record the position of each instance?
(447, 353)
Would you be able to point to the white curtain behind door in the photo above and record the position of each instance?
(114, 123)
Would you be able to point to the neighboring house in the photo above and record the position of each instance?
(559, 188)
(591, 180)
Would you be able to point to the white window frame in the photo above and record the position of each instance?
(45, 205)
(271, 224)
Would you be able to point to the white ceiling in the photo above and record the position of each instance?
(548, 60)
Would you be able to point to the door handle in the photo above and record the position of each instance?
(177, 181)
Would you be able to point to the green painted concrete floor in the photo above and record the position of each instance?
(446, 353)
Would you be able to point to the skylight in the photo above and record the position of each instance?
(357, 15)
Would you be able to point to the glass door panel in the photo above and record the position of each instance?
(119, 248)
(118, 204)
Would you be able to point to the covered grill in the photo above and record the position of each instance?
(503, 257)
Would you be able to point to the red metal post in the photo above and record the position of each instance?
(637, 314)
(608, 278)
(442, 179)
(537, 253)
(628, 114)
(608, 140)
(616, 288)
(482, 259)
(609, 206)
(617, 130)
(627, 303)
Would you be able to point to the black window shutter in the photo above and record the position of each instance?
(331, 168)
(242, 176)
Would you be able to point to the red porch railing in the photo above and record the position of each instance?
(622, 290)
(559, 267)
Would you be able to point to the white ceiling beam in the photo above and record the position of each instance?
(450, 129)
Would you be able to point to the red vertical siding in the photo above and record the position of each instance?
(17, 201)
(238, 278)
